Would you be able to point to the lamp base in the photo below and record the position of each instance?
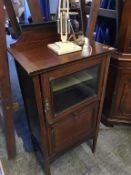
(61, 48)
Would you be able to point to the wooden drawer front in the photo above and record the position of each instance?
(72, 129)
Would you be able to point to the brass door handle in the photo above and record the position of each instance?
(47, 106)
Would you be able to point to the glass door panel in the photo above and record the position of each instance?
(74, 88)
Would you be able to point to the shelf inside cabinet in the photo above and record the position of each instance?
(70, 81)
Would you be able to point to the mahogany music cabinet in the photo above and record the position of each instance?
(63, 95)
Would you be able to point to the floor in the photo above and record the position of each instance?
(112, 156)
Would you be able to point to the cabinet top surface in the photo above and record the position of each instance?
(36, 57)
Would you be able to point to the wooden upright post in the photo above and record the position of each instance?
(89, 30)
(92, 19)
(11, 13)
(83, 15)
(35, 11)
(6, 89)
(124, 38)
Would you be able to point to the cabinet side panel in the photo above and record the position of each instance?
(125, 103)
(27, 89)
(112, 75)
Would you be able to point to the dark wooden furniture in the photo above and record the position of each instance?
(13, 20)
(5, 89)
(63, 95)
(105, 14)
(17, 30)
(117, 105)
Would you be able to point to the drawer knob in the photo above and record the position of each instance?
(47, 106)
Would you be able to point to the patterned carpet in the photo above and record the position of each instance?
(112, 156)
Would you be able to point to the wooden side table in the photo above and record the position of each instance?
(63, 95)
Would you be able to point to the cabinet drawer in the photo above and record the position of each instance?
(73, 128)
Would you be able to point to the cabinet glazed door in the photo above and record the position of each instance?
(70, 87)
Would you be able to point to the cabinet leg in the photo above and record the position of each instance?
(106, 121)
(47, 169)
(43, 160)
(94, 144)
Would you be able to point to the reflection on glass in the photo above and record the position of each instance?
(74, 88)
